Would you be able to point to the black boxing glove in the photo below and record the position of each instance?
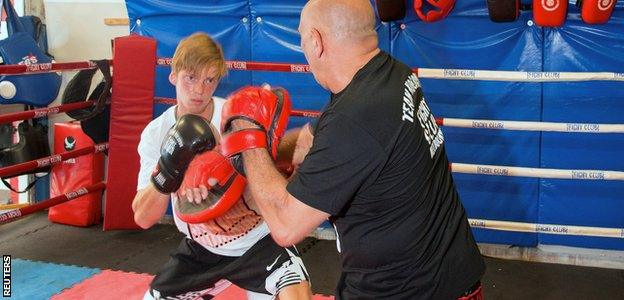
(189, 136)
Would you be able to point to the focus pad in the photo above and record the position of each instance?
(225, 188)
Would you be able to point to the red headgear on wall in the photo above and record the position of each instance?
(433, 10)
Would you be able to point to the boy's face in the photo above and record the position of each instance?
(194, 91)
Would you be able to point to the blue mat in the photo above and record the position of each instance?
(38, 280)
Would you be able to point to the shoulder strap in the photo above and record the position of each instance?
(28, 187)
(13, 22)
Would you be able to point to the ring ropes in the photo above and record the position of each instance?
(451, 74)
(465, 74)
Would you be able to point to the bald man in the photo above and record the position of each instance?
(375, 167)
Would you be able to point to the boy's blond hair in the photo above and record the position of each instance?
(198, 52)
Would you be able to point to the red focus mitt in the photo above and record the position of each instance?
(433, 10)
(225, 187)
(268, 109)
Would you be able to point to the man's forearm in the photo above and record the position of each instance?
(268, 188)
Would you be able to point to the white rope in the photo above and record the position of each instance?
(466, 74)
(534, 126)
(325, 233)
(547, 228)
(452, 74)
(536, 172)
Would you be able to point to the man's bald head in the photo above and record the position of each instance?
(341, 20)
(338, 38)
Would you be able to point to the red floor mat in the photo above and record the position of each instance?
(123, 285)
(108, 285)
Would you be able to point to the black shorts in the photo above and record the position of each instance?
(192, 270)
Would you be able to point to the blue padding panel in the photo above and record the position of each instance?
(266, 31)
(578, 47)
(38, 280)
(227, 22)
(467, 40)
(274, 38)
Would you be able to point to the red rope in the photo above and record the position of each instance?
(163, 100)
(50, 160)
(253, 66)
(163, 61)
(258, 66)
(14, 214)
(294, 113)
(305, 113)
(42, 112)
(46, 68)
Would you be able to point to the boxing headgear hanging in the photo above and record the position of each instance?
(433, 10)
(390, 10)
(503, 10)
(550, 13)
(596, 11)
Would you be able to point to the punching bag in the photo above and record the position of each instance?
(75, 173)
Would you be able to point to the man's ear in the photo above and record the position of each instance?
(317, 43)
(173, 78)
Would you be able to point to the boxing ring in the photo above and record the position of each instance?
(489, 75)
(478, 169)
(536, 153)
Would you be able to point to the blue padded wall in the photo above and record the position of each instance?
(467, 39)
(583, 48)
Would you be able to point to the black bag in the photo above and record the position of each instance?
(6, 135)
(33, 144)
(93, 120)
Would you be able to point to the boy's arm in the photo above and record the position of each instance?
(149, 206)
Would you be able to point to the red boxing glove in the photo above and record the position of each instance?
(433, 10)
(596, 11)
(269, 109)
(550, 13)
(225, 187)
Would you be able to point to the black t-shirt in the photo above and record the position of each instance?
(379, 168)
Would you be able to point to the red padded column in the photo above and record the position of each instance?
(134, 67)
